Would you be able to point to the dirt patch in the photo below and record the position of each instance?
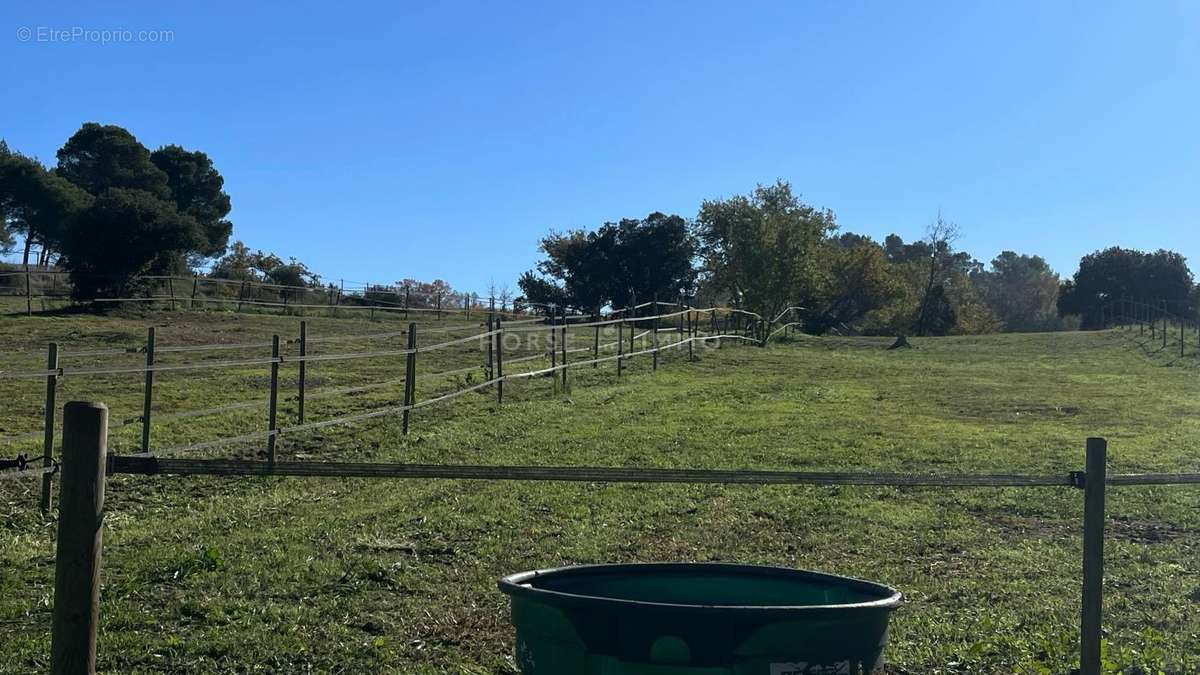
(1127, 529)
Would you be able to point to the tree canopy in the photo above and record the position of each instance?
(114, 209)
(36, 204)
(762, 249)
(1117, 273)
(632, 258)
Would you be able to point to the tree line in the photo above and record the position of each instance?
(767, 251)
(111, 211)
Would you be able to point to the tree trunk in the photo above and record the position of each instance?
(933, 265)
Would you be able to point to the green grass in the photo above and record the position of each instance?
(325, 575)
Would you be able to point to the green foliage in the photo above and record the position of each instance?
(616, 263)
(762, 249)
(197, 190)
(855, 280)
(172, 201)
(242, 264)
(1021, 291)
(539, 292)
(121, 235)
(36, 204)
(100, 157)
(1117, 273)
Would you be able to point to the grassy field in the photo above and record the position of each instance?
(322, 575)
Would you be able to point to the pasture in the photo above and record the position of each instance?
(211, 575)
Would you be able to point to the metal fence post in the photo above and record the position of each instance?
(620, 345)
(80, 537)
(272, 418)
(303, 374)
(595, 339)
(410, 368)
(1093, 556)
(499, 359)
(493, 322)
(48, 436)
(564, 348)
(553, 346)
(148, 394)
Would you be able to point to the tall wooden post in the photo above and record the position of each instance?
(595, 339)
(410, 374)
(303, 374)
(28, 293)
(691, 335)
(48, 436)
(491, 359)
(439, 305)
(195, 283)
(80, 536)
(148, 393)
(1093, 556)
(273, 403)
(620, 345)
(553, 346)
(499, 361)
(564, 348)
(654, 341)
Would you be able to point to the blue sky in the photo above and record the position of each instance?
(393, 139)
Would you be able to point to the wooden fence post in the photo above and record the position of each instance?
(553, 347)
(148, 394)
(48, 436)
(241, 295)
(195, 282)
(620, 345)
(654, 341)
(564, 348)
(406, 292)
(680, 309)
(595, 340)
(273, 404)
(632, 330)
(691, 335)
(28, 293)
(1093, 556)
(410, 374)
(303, 374)
(499, 360)
(492, 322)
(80, 536)
(439, 306)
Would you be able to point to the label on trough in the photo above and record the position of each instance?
(806, 668)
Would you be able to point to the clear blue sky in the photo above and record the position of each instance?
(395, 139)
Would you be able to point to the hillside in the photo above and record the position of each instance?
(317, 575)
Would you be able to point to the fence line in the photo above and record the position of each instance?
(52, 375)
(85, 434)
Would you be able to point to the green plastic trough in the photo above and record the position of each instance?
(697, 619)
